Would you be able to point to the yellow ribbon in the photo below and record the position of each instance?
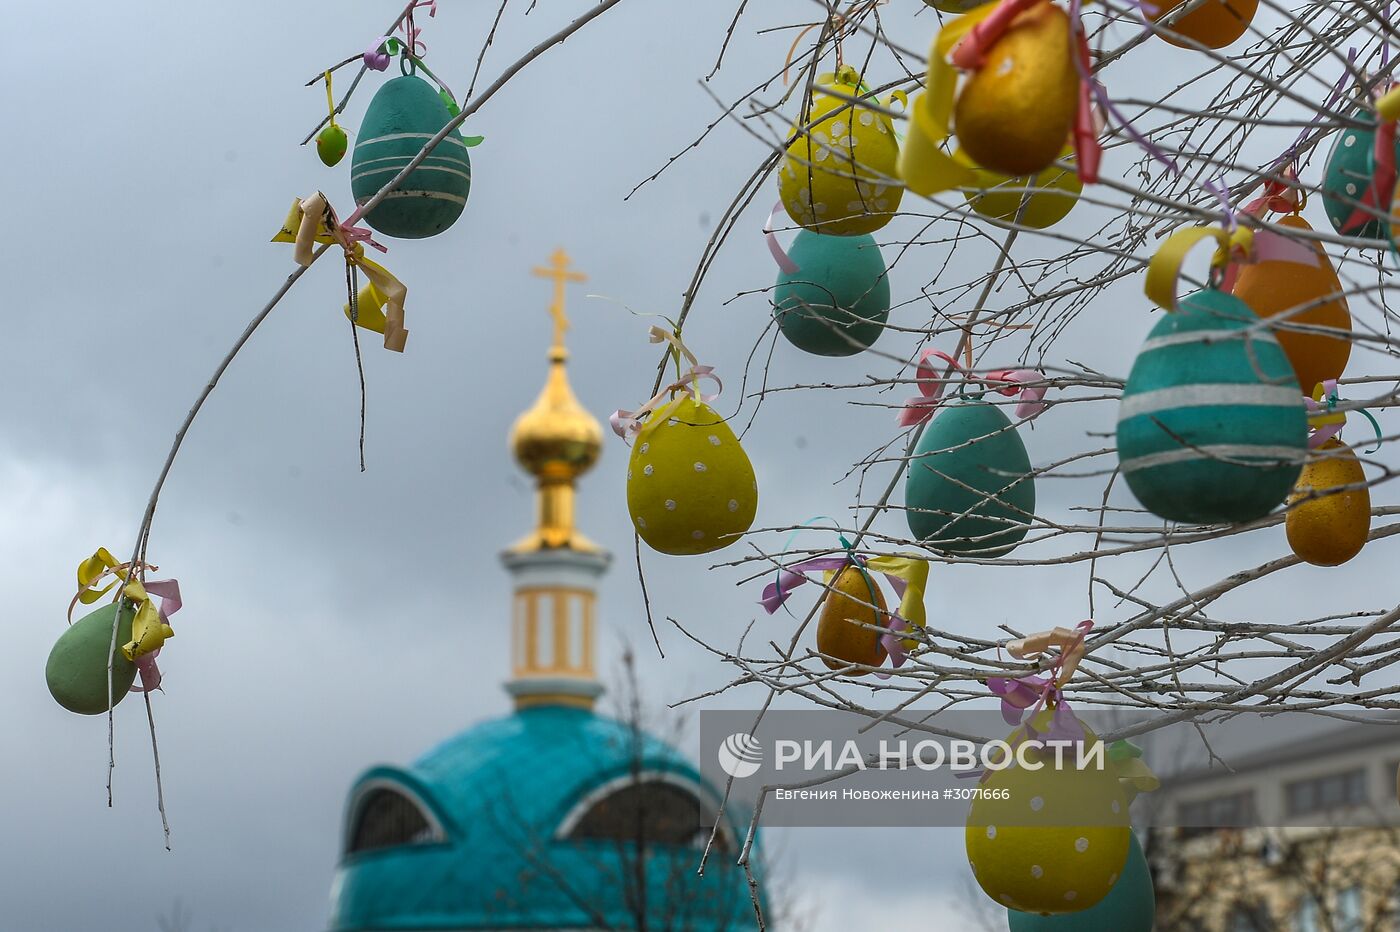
(1165, 267)
(1388, 105)
(148, 630)
(914, 572)
(310, 222)
(923, 163)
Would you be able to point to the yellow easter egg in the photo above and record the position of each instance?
(1053, 194)
(839, 177)
(1024, 847)
(690, 486)
(1015, 113)
(1331, 529)
(852, 602)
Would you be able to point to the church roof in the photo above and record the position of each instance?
(499, 802)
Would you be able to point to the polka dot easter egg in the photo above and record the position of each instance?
(404, 114)
(1350, 179)
(1211, 427)
(839, 176)
(1049, 840)
(690, 486)
(1131, 906)
(1014, 113)
(838, 300)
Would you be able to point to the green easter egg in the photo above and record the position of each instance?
(1211, 427)
(405, 114)
(1131, 906)
(838, 300)
(331, 143)
(970, 491)
(77, 667)
(1350, 173)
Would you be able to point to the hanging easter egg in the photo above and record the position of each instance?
(970, 491)
(956, 6)
(1052, 195)
(838, 300)
(1049, 840)
(405, 114)
(1326, 527)
(331, 143)
(1350, 176)
(1273, 288)
(852, 601)
(1015, 112)
(690, 486)
(1215, 24)
(1131, 906)
(839, 176)
(77, 667)
(1211, 427)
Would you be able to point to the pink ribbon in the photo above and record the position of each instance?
(376, 58)
(168, 591)
(1030, 692)
(790, 577)
(1003, 381)
(970, 54)
(779, 256)
(626, 424)
(1088, 122)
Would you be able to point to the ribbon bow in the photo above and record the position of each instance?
(1034, 693)
(151, 625)
(1326, 421)
(1134, 776)
(907, 575)
(1231, 244)
(312, 220)
(628, 424)
(1003, 381)
(923, 164)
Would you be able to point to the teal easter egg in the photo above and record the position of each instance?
(1350, 173)
(405, 114)
(1211, 427)
(838, 300)
(77, 667)
(1131, 906)
(330, 144)
(970, 491)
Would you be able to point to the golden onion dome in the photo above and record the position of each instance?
(556, 438)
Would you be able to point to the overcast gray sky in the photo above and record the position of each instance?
(334, 620)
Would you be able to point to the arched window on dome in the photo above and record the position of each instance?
(660, 808)
(388, 816)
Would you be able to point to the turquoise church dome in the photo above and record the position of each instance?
(553, 817)
(529, 822)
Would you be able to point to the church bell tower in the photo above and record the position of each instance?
(556, 569)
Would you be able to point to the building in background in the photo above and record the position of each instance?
(1312, 843)
(553, 817)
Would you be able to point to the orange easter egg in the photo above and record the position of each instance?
(1274, 289)
(1015, 112)
(1215, 25)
